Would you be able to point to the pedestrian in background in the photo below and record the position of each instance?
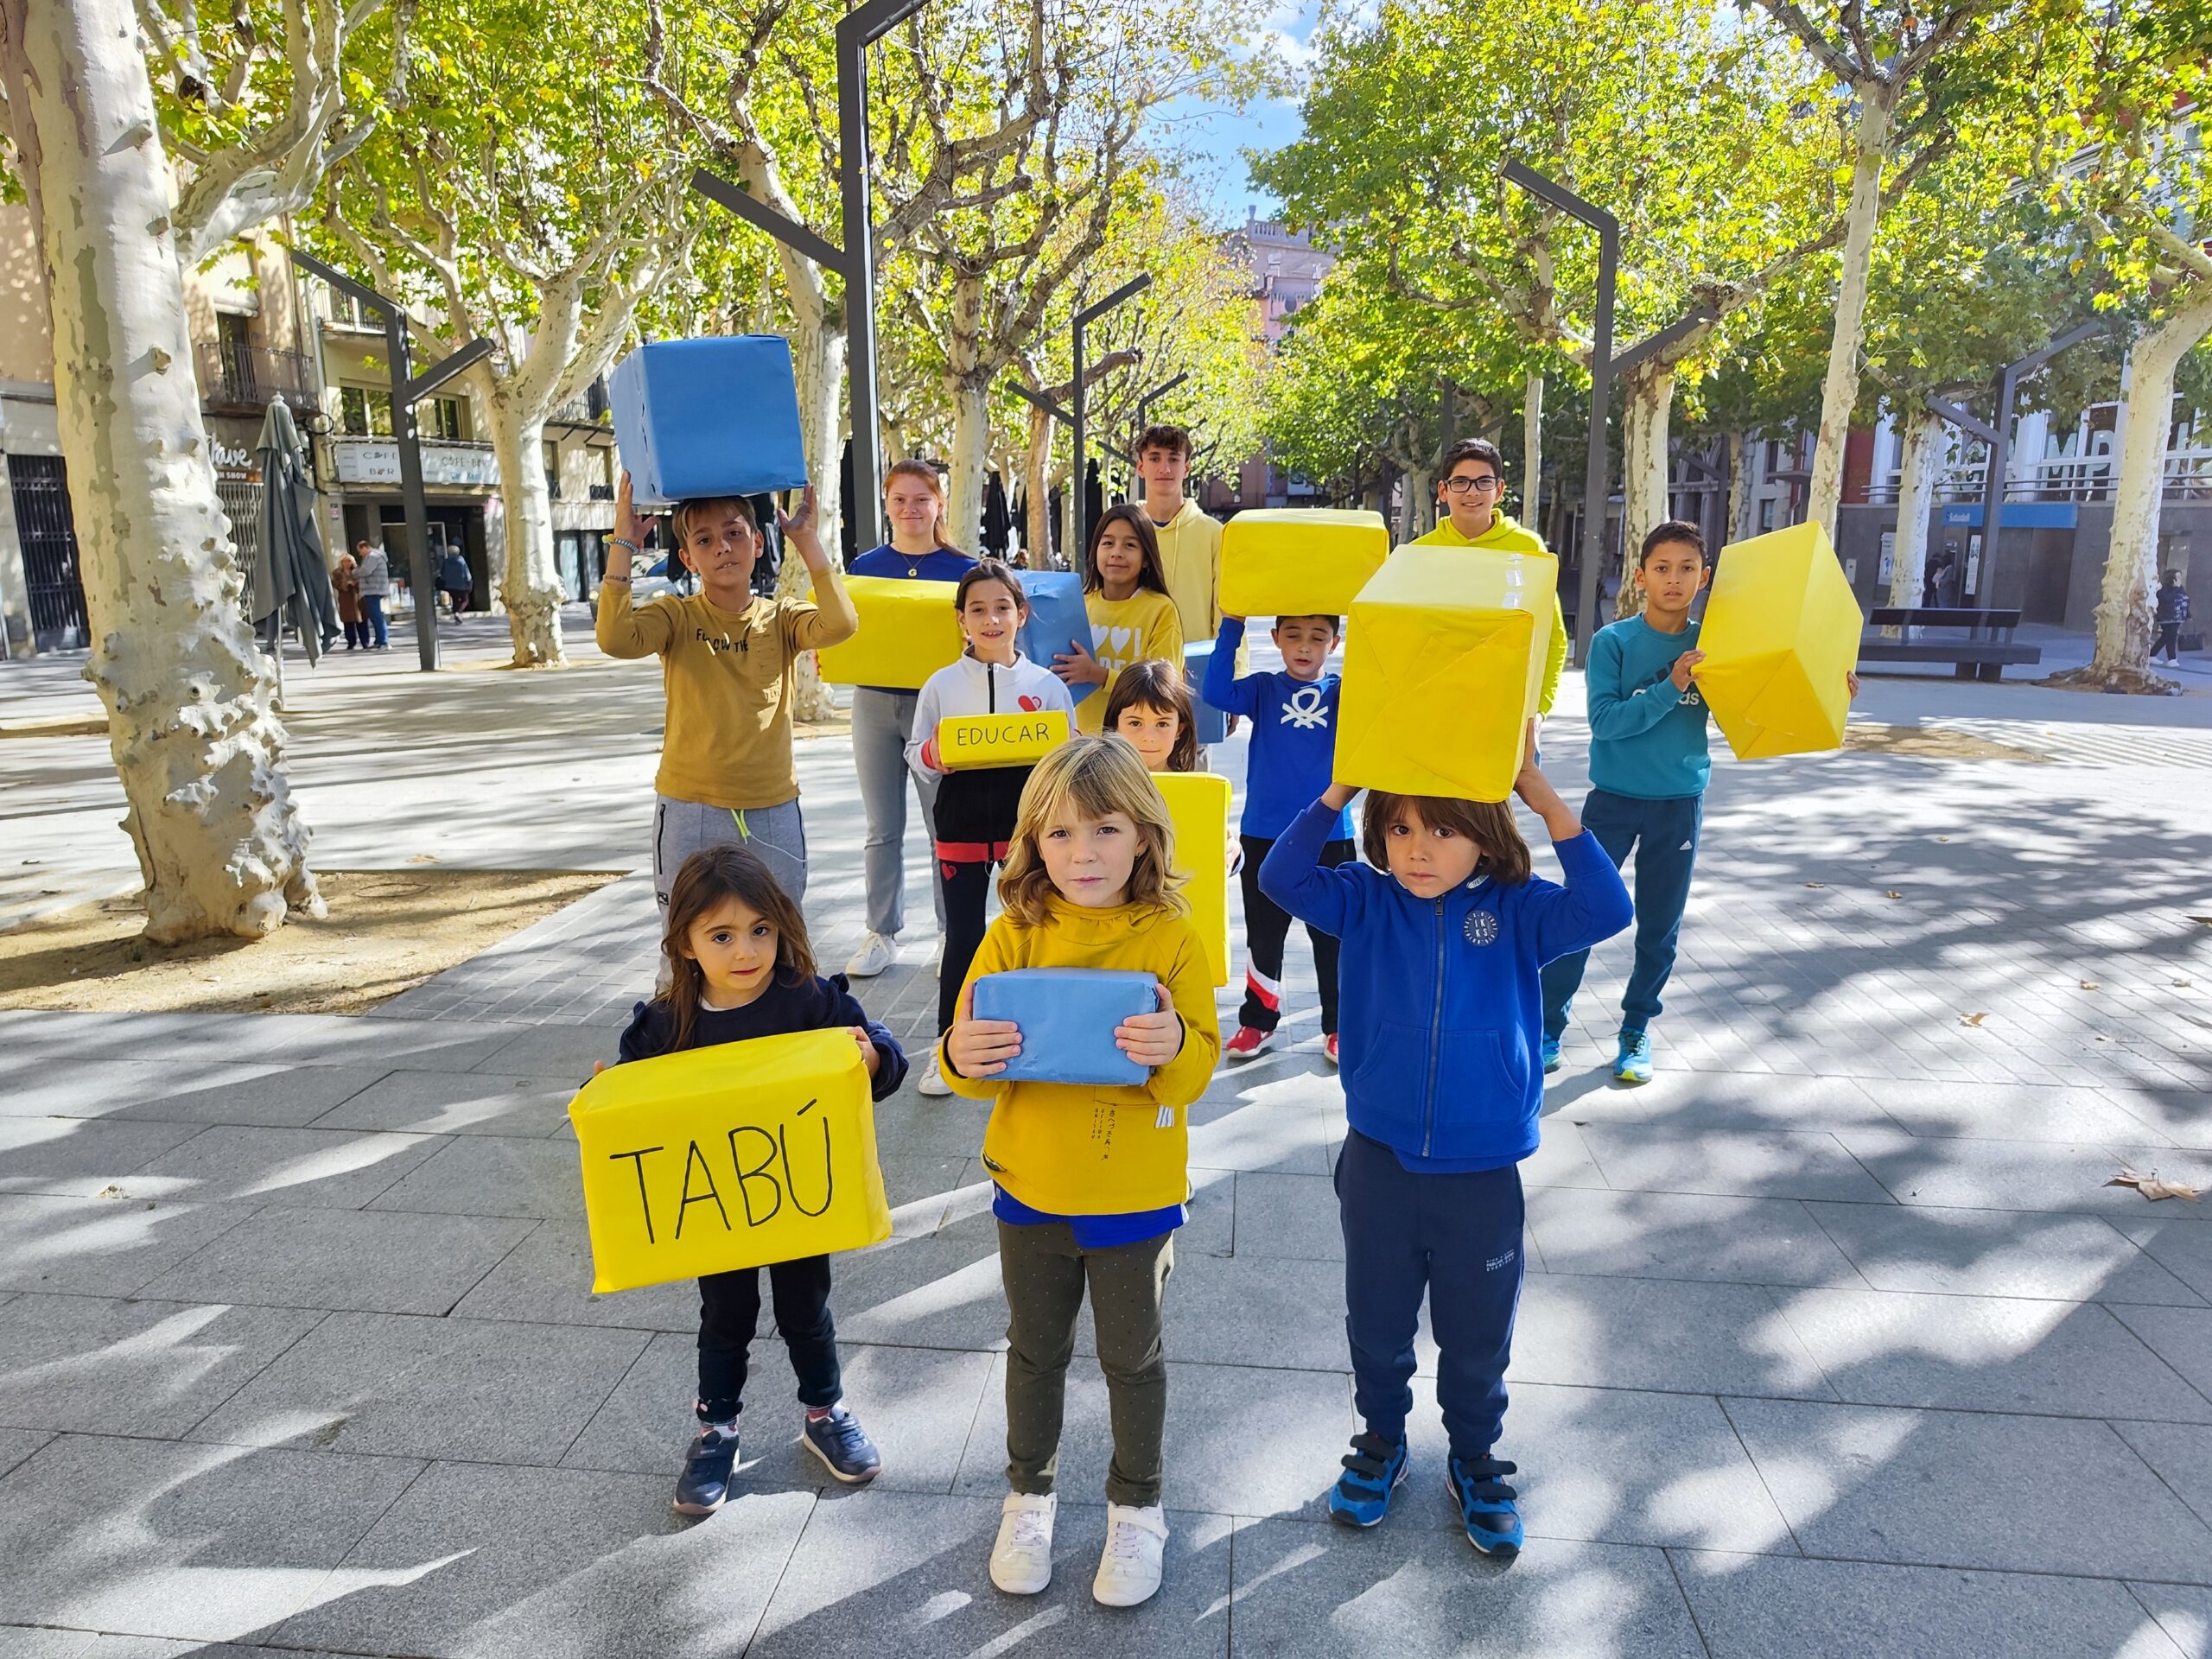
(456, 581)
(374, 575)
(345, 583)
(2173, 610)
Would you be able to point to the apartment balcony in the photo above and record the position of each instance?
(248, 379)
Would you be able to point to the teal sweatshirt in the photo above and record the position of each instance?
(1647, 739)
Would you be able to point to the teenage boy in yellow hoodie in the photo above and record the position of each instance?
(1190, 540)
(1470, 488)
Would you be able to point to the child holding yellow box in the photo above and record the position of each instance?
(1132, 618)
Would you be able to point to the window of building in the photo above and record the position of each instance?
(1766, 515)
(365, 412)
(442, 417)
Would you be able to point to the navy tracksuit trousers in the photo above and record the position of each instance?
(1458, 1238)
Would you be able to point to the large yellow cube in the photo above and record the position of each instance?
(731, 1156)
(1444, 663)
(1299, 561)
(1781, 632)
(1199, 803)
(908, 631)
(967, 742)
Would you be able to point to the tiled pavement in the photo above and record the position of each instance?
(1837, 1343)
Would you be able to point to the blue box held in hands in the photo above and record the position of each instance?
(708, 417)
(1057, 621)
(1067, 1017)
(1213, 725)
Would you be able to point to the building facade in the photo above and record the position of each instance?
(1287, 269)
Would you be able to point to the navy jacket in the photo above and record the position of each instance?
(811, 1005)
(1440, 1013)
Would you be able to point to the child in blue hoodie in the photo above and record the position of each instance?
(1442, 1083)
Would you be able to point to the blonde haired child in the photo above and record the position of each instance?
(1090, 1179)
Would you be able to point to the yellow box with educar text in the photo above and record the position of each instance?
(1299, 561)
(966, 742)
(731, 1156)
(1781, 633)
(1444, 662)
(1198, 803)
(908, 631)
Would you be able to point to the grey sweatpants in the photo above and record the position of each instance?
(883, 723)
(777, 833)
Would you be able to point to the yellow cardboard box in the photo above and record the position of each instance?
(965, 742)
(1199, 803)
(1781, 631)
(731, 1156)
(908, 631)
(1444, 662)
(1299, 561)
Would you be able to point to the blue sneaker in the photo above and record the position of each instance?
(1549, 1053)
(1633, 1063)
(1374, 1468)
(704, 1483)
(844, 1446)
(1486, 1505)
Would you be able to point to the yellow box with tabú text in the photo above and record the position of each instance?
(1780, 633)
(1299, 561)
(908, 631)
(1198, 803)
(967, 741)
(1444, 662)
(734, 1156)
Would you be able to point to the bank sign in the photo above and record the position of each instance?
(376, 461)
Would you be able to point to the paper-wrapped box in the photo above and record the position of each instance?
(708, 417)
(967, 742)
(1212, 724)
(1199, 803)
(731, 1156)
(1781, 632)
(1067, 1017)
(1444, 662)
(908, 631)
(1058, 620)
(1299, 561)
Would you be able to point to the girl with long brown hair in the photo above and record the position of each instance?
(1125, 592)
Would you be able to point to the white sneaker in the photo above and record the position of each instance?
(933, 1081)
(878, 952)
(1129, 1572)
(1021, 1560)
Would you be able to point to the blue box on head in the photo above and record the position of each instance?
(1057, 621)
(1211, 724)
(1067, 1017)
(708, 417)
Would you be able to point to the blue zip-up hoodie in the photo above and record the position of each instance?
(1294, 752)
(1441, 1013)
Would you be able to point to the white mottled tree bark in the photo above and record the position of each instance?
(530, 581)
(966, 390)
(1644, 421)
(1531, 448)
(1738, 523)
(1926, 443)
(220, 841)
(1840, 392)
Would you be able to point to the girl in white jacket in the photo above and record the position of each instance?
(975, 809)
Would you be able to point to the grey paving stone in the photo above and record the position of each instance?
(1241, 1439)
(92, 1363)
(2047, 1175)
(940, 1291)
(916, 1403)
(1210, 1224)
(21, 1642)
(484, 1563)
(547, 1278)
(2003, 1111)
(1756, 1607)
(2181, 1455)
(1288, 1215)
(921, 1187)
(1215, 1306)
(16, 1444)
(1987, 1353)
(315, 1169)
(195, 1543)
(1758, 1164)
(456, 1103)
(1998, 1253)
(2178, 1115)
(554, 1051)
(1683, 1236)
(75, 1157)
(1561, 1158)
(882, 1560)
(492, 1175)
(44, 1037)
(1674, 1336)
(184, 1088)
(1301, 1590)
(911, 1125)
(2180, 1336)
(1695, 1097)
(1970, 1489)
(402, 1387)
(1242, 1134)
(363, 1260)
(2179, 1243)
(344, 1039)
(2183, 1612)
(102, 1247)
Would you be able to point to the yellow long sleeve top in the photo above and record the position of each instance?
(1190, 557)
(1125, 631)
(1072, 1149)
(730, 675)
(1508, 534)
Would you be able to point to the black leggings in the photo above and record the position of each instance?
(976, 814)
(966, 885)
(1266, 926)
(729, 1312)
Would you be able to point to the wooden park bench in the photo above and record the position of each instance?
(1978, 642)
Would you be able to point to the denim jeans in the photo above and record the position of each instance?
(372, 609)
(883, 722)
(1664, 836)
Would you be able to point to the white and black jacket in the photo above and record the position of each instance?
(979, 807)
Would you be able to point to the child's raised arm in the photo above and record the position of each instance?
(891, 1059)
(1293, 876)
(619, 628)
(833, 620)
(1617, 712)
(1594, 905)
(1220, 687)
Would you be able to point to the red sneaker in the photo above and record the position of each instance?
(1249, 1041)
(1329, 1047)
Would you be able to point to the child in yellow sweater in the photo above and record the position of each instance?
(1091, 1180)
(1125, 592)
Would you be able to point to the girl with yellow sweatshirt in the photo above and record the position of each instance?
(1091, 1180)
(1132, 618)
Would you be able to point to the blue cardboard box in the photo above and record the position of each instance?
(1057, 620)
(704, 417)
(1067, 1017)
(1212, 724)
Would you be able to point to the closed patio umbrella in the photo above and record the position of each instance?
(287, 580)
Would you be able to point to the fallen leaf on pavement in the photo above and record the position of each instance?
(2152, 1186)
(1894, 894)
(1816, 884)
(424, 858)
(2088, 984)
(1972, 1019)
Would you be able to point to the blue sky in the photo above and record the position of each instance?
(1217, 136)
